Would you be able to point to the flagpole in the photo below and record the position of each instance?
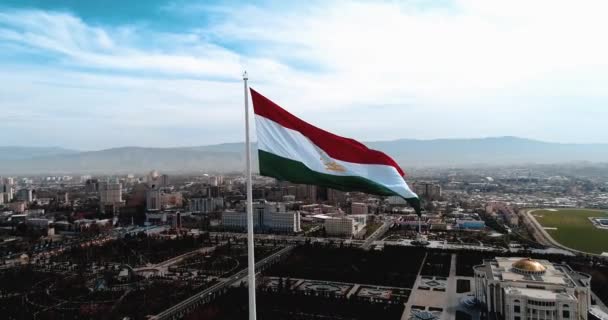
(250, 243)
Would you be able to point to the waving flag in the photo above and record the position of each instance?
(293, 150)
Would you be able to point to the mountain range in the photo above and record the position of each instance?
(230, 156)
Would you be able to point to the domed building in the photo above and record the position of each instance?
(528, 289)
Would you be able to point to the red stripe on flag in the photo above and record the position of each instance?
(335, 146)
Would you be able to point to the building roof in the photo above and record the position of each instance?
(517, 270)
(539, 294)
(529, 265)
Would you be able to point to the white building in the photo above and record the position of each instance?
(206, 205)
(526, 289)
(264, 218)
(348, 226)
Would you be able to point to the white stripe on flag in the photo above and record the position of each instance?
(293, 145)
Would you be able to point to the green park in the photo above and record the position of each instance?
(573, 228)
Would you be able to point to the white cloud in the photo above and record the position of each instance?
(371, 70)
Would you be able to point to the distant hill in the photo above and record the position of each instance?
(16, 152)
(230, 156)
(488, 151)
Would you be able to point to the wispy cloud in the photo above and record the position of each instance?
(460, 68)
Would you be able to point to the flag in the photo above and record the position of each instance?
(292, 150)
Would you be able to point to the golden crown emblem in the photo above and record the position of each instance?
(330, 164)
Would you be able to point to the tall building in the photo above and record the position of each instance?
(110, 195)
(26, 195)
(152, 179)
(164, 180)
(526, 289)
(7, 190)
(91, 185)
(429, 191)
(153, 199)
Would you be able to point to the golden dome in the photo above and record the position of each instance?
(529, 265)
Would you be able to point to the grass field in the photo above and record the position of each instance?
(574, 230)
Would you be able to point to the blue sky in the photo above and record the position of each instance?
(100, 74)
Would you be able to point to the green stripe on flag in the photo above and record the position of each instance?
(285, 169)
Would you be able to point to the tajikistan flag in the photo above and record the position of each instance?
(293, 150)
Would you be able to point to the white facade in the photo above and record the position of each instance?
(262, 220)
(525, 289)
(349, 226)
(206, 205)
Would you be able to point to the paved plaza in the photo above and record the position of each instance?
(436, 297)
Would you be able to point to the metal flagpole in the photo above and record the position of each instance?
(250, 243)
(420, 228)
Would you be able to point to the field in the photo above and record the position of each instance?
(573, 228)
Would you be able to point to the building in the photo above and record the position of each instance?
(17, 207)
(346, 226)
(62, 197)
(358, 208)
(470, 224)
(267, 216)
(206, 205)
(164, 180)
(265, 221)
(152, 179)
(38, 223)
(26, 195)
(7, 190)
(110, 193)
(171, 200)
(110, 196)
(526, 289)
(428, 191)
(336, 196)
(153, 199)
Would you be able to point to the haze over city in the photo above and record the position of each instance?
(403, 160)
(167, 73)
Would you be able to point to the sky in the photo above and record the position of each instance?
(91, 75)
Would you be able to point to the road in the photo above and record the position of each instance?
(377, 234)
(543, 237)
(182, 307)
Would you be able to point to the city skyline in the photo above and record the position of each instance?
(87, 76)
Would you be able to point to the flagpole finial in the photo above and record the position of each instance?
(245, 77)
